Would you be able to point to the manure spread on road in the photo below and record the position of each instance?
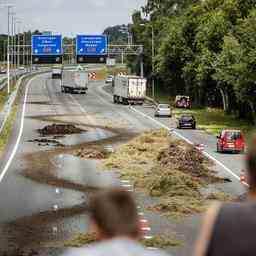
(28, 235)
(60, 129)
(168, 169)
(47, 142)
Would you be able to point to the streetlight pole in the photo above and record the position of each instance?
(15, 44)
(23, 48)
(153, 56)
(18, 22)
(153, 64)
(8, 48)
(12, 33)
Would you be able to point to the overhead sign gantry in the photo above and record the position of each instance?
(47, 49)
(91, 48)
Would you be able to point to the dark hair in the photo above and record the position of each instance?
(115, 213)
(251, 162)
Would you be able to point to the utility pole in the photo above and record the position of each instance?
(18, 43)
(122, 57)
(153, 56)
(153, 64)
(141, 63)
(13, 42)
(8, 51)
(4, 52)
(8, 48)
(23, 47)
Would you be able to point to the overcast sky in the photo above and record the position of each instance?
(70, 17)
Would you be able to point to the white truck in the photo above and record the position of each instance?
(74, 81)
(129, 89)
(57, 72)
(111, 62)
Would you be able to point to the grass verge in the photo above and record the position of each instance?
(168, 169)
(104, 72)
(214, 120)
(4, 95)
(6, 132)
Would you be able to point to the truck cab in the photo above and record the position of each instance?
(57, 72)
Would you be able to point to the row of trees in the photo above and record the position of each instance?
(24, 39)
(204, 48)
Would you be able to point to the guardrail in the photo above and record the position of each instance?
(4, 114)
(3, 81)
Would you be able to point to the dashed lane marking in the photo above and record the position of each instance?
(147, 237)
(125, 181)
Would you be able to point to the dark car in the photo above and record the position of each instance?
(187, 121)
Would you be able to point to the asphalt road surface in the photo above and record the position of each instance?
(44, 189)
(38, 181)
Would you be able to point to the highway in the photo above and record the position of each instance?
(29, 197)
(45, 188)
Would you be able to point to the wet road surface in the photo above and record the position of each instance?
(45, 191)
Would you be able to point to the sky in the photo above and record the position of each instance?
(70, 17)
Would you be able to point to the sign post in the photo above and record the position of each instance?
(91, 48)
(47, 49)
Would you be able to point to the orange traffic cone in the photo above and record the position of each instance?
(243, 177)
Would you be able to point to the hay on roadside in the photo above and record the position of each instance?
(81, 240)
(167, 168)
(161, 241)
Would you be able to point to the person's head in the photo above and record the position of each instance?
(251, 164)
(114, 214)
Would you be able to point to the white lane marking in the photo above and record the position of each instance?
(55, 207)
(188, 141)
(148, 237)
(125, 181)
(78, 104)
(54, 229)
(146, 229)
(9, 161)
(127, 185)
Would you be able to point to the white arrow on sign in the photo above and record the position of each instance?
(36, 51)
(103, 50)
(81, 50)
(58, 50)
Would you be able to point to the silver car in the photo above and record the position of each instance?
(163, 110)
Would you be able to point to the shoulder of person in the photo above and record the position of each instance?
(114, 247)
(207, 229)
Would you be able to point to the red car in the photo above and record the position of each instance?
(231, 141)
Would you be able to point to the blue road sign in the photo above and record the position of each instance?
(91, 45)
(47, 45)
